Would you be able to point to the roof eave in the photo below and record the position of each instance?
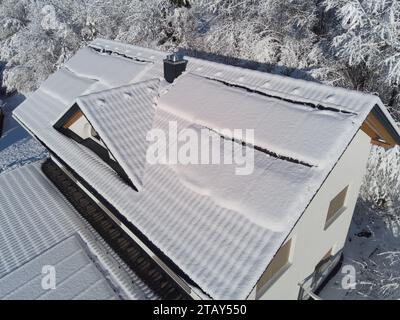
(388, 122)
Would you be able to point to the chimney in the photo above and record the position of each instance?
(174, 65)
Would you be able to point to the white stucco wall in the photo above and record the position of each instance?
(310, 240)
(82, 128)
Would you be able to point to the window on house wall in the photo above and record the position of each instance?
(320, 267)
(74, 118)
(276, 268)
(321, 270)
(336, 207)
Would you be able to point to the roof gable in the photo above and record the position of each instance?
(122, 117)
(75, 125)
(113, 123)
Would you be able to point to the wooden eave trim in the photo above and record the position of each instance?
(377, 132)
(74, 118)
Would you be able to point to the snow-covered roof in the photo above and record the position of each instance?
(38, 228)
(113, 112)
(220, 229)
(76, 275)
(279, 125)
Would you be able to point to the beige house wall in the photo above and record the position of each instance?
(312, 238)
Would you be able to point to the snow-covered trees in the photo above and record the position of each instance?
(294, 37)
(370, 35)
(382, 185)
(350, 43)
(36, 36)
(159, 23)
(367, 43)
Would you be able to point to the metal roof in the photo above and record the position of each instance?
(213, 230)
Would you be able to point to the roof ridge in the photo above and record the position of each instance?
(283, 85)
(110, 90)
(256, 90)
(132, 51)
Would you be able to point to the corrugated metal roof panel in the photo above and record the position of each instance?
(76, 275)
(122, 117)
(35, 220)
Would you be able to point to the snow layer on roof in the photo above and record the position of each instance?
(112, 113)
(288, 129)
(246, 194)
(111, 70)
(220, 229)
(285, 87)
(204, 239)
(128, 50)
(222, 238)
(35, 219)
(77, 275)
(72, 85)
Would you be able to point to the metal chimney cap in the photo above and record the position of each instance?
(174, 65)
(174, 57)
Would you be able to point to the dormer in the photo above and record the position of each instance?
(106, 121)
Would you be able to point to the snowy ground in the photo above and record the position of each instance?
(373, 250)
(17, 147)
